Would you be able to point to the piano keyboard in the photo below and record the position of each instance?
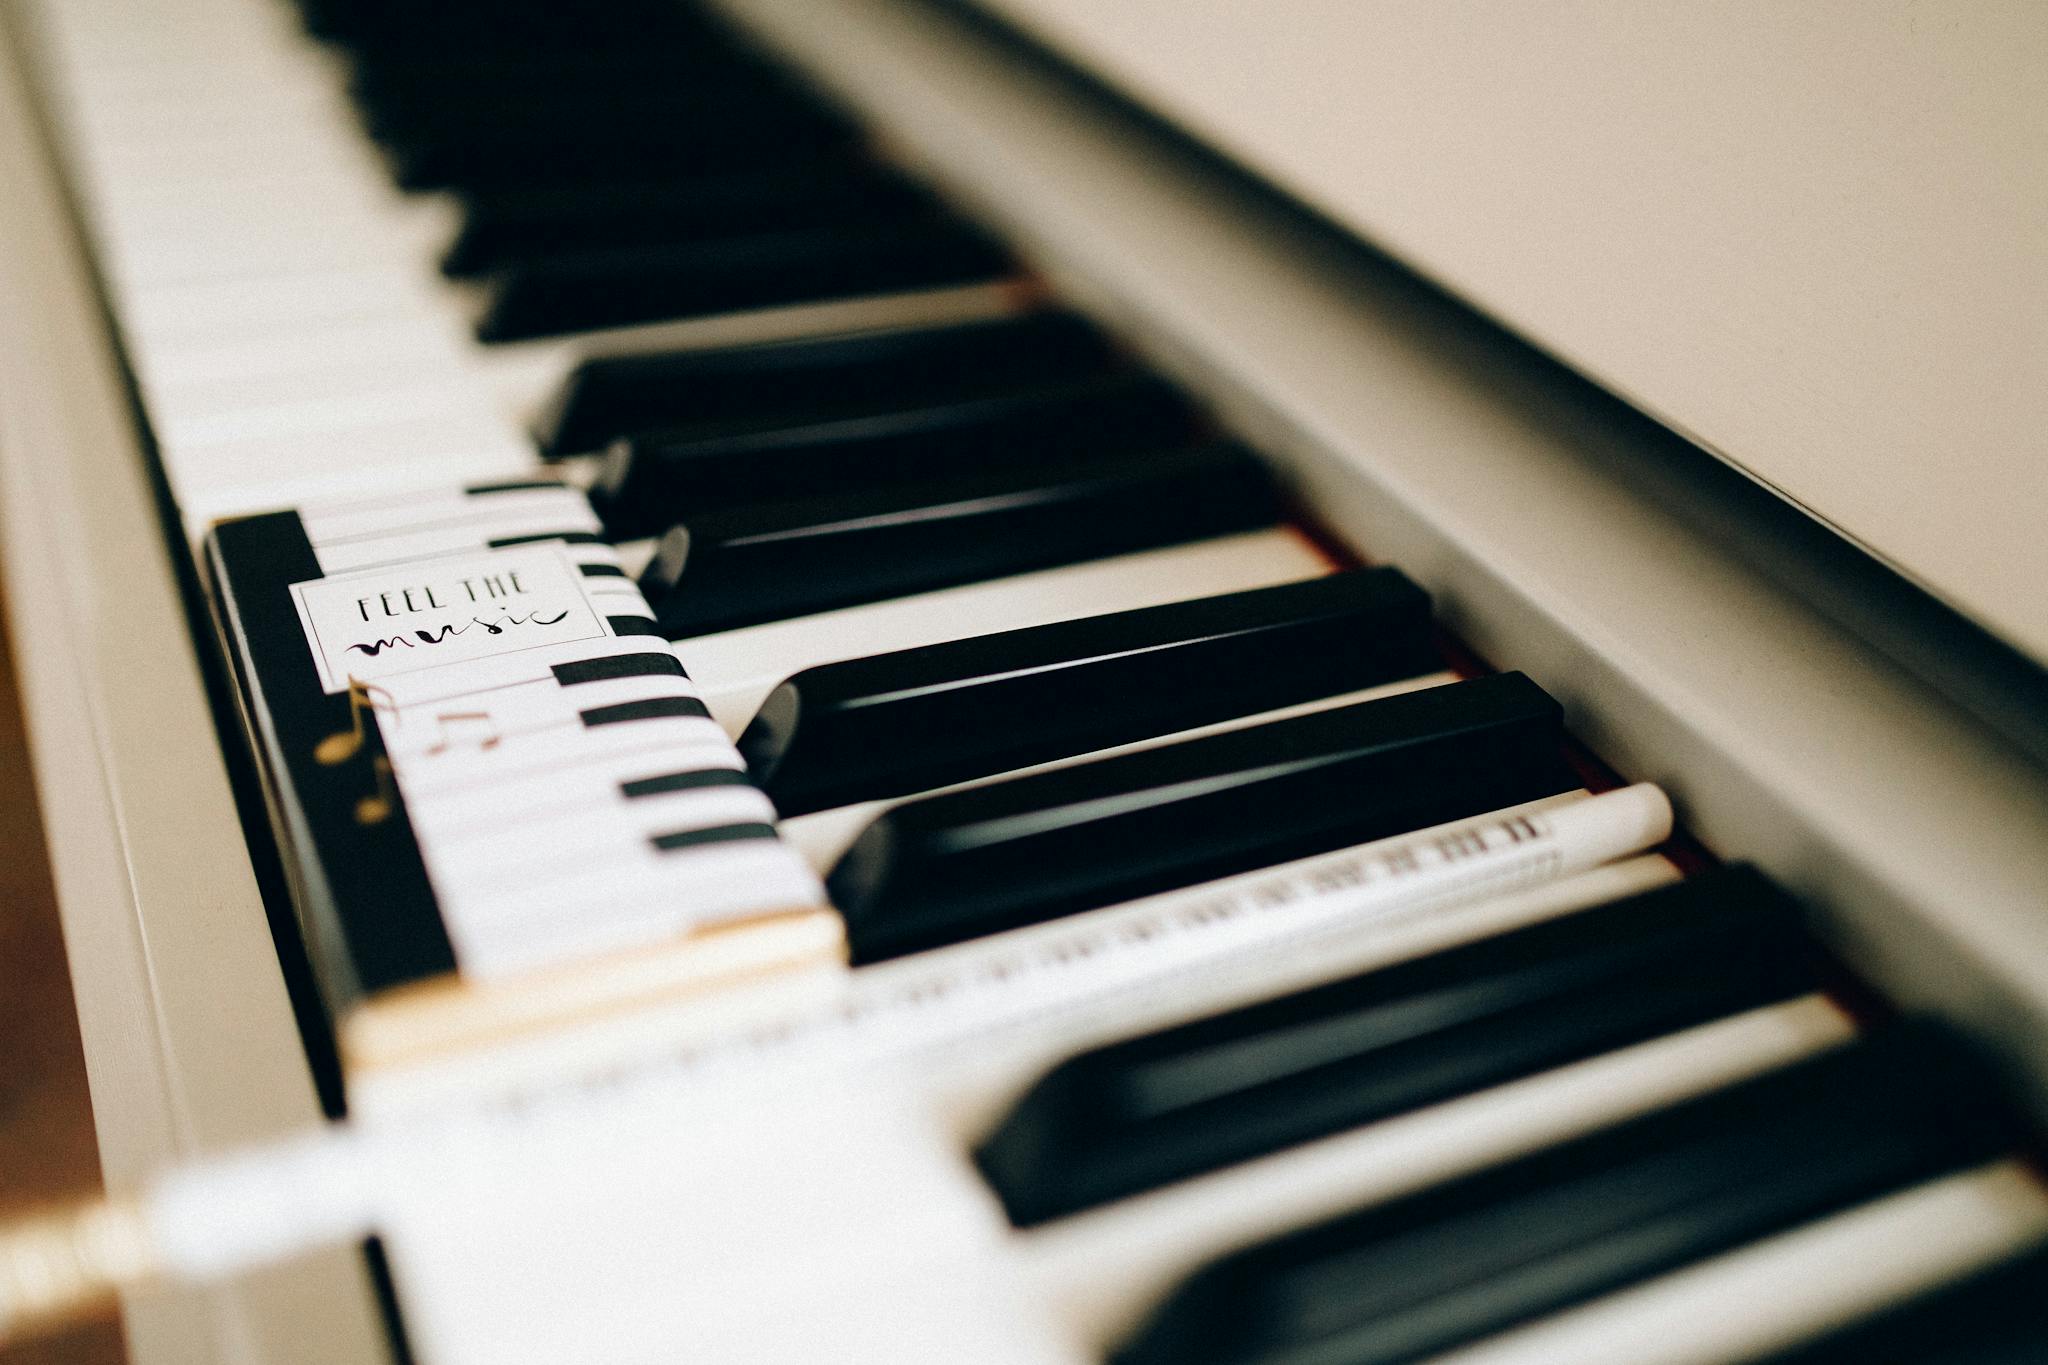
(710, 555)
(285, 317)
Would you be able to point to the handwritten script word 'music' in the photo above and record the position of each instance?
(454, 609)
(373, 648)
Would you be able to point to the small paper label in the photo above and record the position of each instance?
(432, 612)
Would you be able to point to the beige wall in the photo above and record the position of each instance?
(1813, 237)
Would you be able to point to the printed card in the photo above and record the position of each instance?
(432, 612)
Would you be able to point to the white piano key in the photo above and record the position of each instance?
(561, 754)
(567, 747)
(359, 409)
(737, 668)
(184, 314)
(262, 476)
(777, 1263)
(635, 904)
(252, 97)
(503, 862)
(243, 477)
(217, 369)
(476, 732)
(157, 249)
(619, 597)
(642, 905)
(344, 554)
(401, 513)
(434, 369)
(279, 198)
(542, 798)
(174, 156)
(216, 123)
(221, 484)
(182, 230)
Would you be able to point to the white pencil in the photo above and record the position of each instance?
(1058, 984)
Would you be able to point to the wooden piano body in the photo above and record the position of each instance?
(1808, 708)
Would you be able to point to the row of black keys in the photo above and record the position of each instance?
(1531, 1238)
(1457, 1262)
(1144, 1113)
(1150, 1111)
(1132, 1117)
(1116, 1122)
(631, 163)
(926, 457)
(1030, 847)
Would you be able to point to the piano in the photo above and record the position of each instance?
(1685, 364)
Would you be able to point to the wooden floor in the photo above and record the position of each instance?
(46, 1135)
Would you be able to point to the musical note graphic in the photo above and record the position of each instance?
(376, 808)
(344, 745)
(453, 723)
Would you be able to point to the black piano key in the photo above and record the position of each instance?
(466, 29)
(695, 779)
(402, 85)
(633, 625)
(539, 537)
(611, 667)
(546, 297)
(766, 562)
(484, 490)
(721, 834)
(498, 227)
(646, 483)
(702, 102)
(652, 708)
(1152, 1110)
(552, 106)
(809, 378)
(1418, 1276)
(894, 724)
(1997, 1317)
(596, 146)
(946, 868)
